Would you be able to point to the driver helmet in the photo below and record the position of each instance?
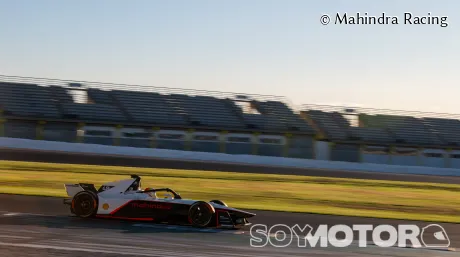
(152, 194)
(134, 186)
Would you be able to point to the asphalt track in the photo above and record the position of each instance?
(42, 226)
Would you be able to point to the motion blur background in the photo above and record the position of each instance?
(253, 78)
(258, 47)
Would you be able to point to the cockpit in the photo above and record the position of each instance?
(136, 185)
(136, 188)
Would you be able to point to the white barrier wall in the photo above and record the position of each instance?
(433, 158)
(405, 156)
(454, 159)
(375, 154)
(223, 158)
(322, 150)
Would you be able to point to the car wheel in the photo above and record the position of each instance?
(219, 202)
(84, 204)
(200, 214)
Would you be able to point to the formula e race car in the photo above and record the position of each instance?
(125, 199)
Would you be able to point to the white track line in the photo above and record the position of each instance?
(149, 252)
(6, 213)
(164, 226)
(188, 229)
(134, 250)
(40, 246)
(16, 237)
(172, 227)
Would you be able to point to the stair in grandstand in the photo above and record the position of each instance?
(235, 110)
(58, 96)
(120, 107)
(327, 124)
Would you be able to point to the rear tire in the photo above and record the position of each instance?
(200, 214)
(84, 204)
(219, 202)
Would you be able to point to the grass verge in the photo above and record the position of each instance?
(322, 195)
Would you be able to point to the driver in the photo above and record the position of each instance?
(151, 194)
(134, 186)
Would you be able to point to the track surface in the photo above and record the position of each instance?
(120, 160)
(41, 226)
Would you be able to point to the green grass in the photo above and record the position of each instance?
(322, 195)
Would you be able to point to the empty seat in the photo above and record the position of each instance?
(205, 111)
(27, 100)
(263, 122)
(340, 120)
(94, 112)
(373, 135)
(329, 124)
(148, 107)
(284, 114)
(405, 129)
(99, 96)
(60, 94)
(447, 129)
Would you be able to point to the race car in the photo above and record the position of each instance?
(125, 199)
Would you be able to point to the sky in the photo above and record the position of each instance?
(247, 46)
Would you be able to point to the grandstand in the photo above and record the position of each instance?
(139, 116)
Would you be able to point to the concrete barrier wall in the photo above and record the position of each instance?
(222, 158)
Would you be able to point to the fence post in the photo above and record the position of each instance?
(2, 127)
(80, 133)
(313, 148)
(39, 130)
(390, 154)
(420, 156)
(116, 138)
(288, 137)
(223, 141)
(447, 158)
(188, 140)
(153, 139)
(361, 152)
(2, 124)
(317, 137)
(331, 149)
(255, 143)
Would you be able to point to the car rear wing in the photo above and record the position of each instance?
(73, 189)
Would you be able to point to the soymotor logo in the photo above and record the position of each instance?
(280, 235)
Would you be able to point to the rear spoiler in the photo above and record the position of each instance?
(73, 189)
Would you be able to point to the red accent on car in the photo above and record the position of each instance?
(117, 209)
(123, 218)
(153, 205)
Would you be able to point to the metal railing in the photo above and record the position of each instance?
(351, 113)
(374, 111)
(230, 95)
(76, 90)
(140, 88)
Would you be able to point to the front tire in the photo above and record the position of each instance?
(84, 204)
(200, 214)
